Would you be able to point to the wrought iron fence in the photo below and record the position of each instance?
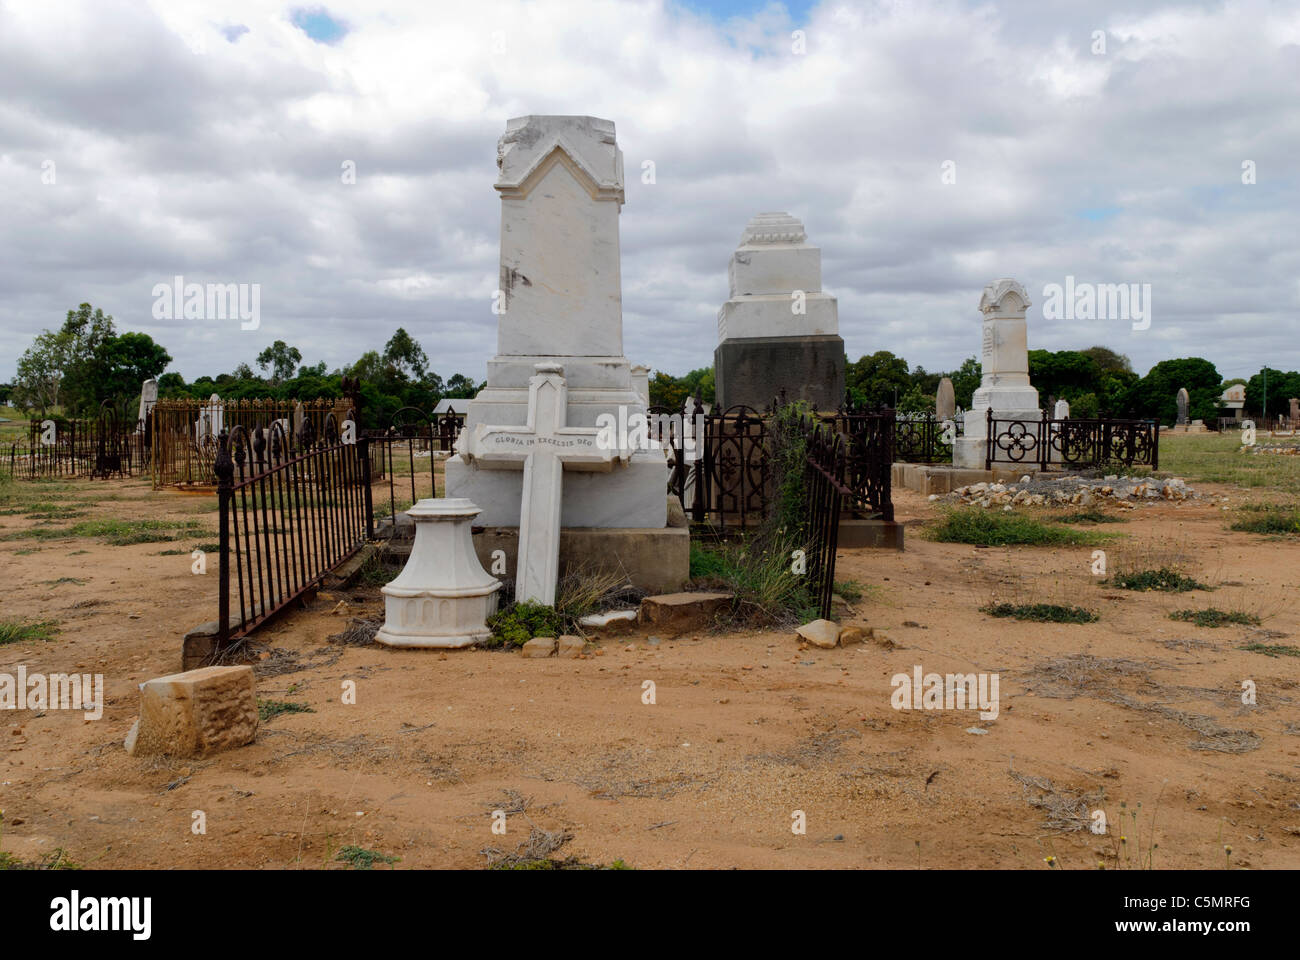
(1072, 444)
(98, 448)
(869, 452)
(925, 438)
(186, 431)
(827, 468)
(719, 463)
(411, 439)
(721, 470)
(291, 508)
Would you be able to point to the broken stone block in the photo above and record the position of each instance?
(821, 633)
(195, 713)
(569, 646)
(539, 647)
(683, 611)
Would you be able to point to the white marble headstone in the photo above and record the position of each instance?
(560, 179)
(148, 397)
(1004, 361)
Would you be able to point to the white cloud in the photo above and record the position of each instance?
(224, 166)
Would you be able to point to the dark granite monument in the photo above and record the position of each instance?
(779, 331)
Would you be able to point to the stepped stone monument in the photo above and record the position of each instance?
(779, 330)
(1004, 359)
(528, 454)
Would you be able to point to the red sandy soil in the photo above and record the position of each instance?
(747, 728)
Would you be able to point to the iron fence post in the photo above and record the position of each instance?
(363, 452)
(224, 468)
(988, 438)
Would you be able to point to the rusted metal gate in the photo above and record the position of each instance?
(827, 466)
(291, 509)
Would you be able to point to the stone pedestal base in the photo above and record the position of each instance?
(658, 561)
(753, 371)
(928, 478)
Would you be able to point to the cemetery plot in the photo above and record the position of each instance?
(749, 732)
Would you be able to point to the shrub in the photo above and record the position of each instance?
(1040, 612)
(1210, 617)
(993, 529)
(1164, 579)
(520, 622)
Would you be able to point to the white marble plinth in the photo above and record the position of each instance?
(443, 596)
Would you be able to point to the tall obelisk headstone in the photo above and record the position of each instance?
(1004, 360)
(779, 331)
(560, 305)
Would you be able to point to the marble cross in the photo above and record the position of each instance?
(542, 448)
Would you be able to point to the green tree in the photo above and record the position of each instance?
(281, 358)
(1281, 388)
(1063, 374)
(121, 363)
(876, 379)
(965, 381)
(460, 386)
(916, 400)
(171, 385)
(85, 363)
(1108, 361)
(667, 391)
(41, 370)
(405, 356)
(370, 368)
(1156, 394)
(700, 383)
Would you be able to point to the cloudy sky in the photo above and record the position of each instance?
(140, 141)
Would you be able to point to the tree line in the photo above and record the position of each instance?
(1096, 382)
(86, 363)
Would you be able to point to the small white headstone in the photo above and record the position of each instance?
(1062, 411)
(148, 397)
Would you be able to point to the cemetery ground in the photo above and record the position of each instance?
(1136, 714)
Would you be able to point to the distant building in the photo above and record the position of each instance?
(1232, 401)
(458, 405)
